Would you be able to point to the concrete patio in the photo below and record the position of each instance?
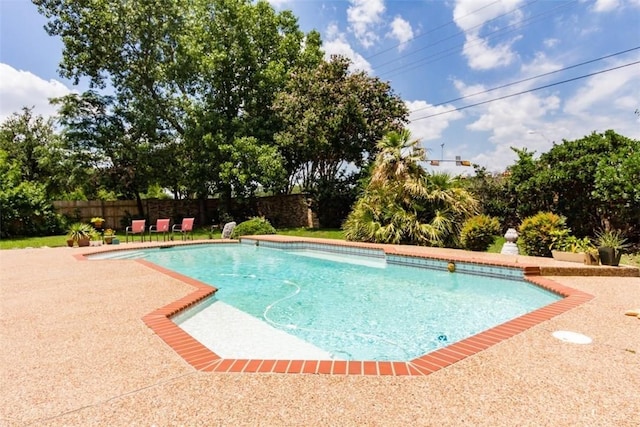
(75, 351)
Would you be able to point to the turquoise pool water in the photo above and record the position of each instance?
(354, 308)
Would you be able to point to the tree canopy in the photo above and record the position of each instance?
(206, 72)
(333, 118)
(32, 172)
(593, 181)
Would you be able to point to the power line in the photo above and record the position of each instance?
(450, 51)
(431, 31)
(527, 79)
(462, 32)
(525, 91)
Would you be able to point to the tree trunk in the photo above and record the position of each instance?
(139, 204)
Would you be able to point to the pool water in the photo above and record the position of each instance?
(350, 307)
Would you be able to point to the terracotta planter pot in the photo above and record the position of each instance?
(84, 242)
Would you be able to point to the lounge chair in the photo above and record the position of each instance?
(228, 229)
(185, 228)
(162, 226)
(137, 227)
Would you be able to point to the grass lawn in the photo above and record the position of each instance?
(200, 233)
(320, 233)
(33, 242)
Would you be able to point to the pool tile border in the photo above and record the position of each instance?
(203, 359)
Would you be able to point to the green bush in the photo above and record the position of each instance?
(479, 232)
(257, 225)
(25, 210)
(537, 233)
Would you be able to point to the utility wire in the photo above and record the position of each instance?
(525, 91)
(431, 31)
(527, 79)
(494, 34)
(462, 32)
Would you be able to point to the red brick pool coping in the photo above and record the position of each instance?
(203, 359)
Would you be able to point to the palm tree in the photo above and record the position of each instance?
(402, 203)
(448, 204)
(398, 159)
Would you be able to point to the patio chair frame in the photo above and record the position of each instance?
(160, 227)
(185, 228)
(137, 227)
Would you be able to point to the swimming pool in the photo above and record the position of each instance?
(341, 303)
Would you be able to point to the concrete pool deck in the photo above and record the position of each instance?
(75, 351)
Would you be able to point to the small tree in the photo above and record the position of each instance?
(479, 232)
(538, 233)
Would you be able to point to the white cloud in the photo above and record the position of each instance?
(606, 5)
(278, 3)
(536, 120)
(551, 42)
(336, 44)
(401, 30)
(20, 89)
(481, 56)
(601, 91)
(508, 116)
(363, 17)
(506, 123)
(431, 128)
(470, 15)
(471, 18)
(541, 64)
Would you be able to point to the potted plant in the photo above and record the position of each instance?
(565, 247)
(79, 233)
(611, 244)
(108, 236)
(97, 222)
(95, 238)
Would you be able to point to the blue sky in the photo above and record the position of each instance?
(432, 52)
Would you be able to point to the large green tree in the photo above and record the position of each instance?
(333, 118)
(112, 148)
(592, 181)
(205, 70)
(32, 143)
(617, 187)
(32, 175)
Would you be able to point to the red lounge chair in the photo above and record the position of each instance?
(137, 227)
(185, 228)
(162, 226)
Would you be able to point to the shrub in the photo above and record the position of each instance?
(562, 240)
(25, 210)
(537, 233)
(257, 225)
(479, 232)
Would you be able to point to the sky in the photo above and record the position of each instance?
(563, 69)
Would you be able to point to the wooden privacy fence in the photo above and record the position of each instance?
(282, 211)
